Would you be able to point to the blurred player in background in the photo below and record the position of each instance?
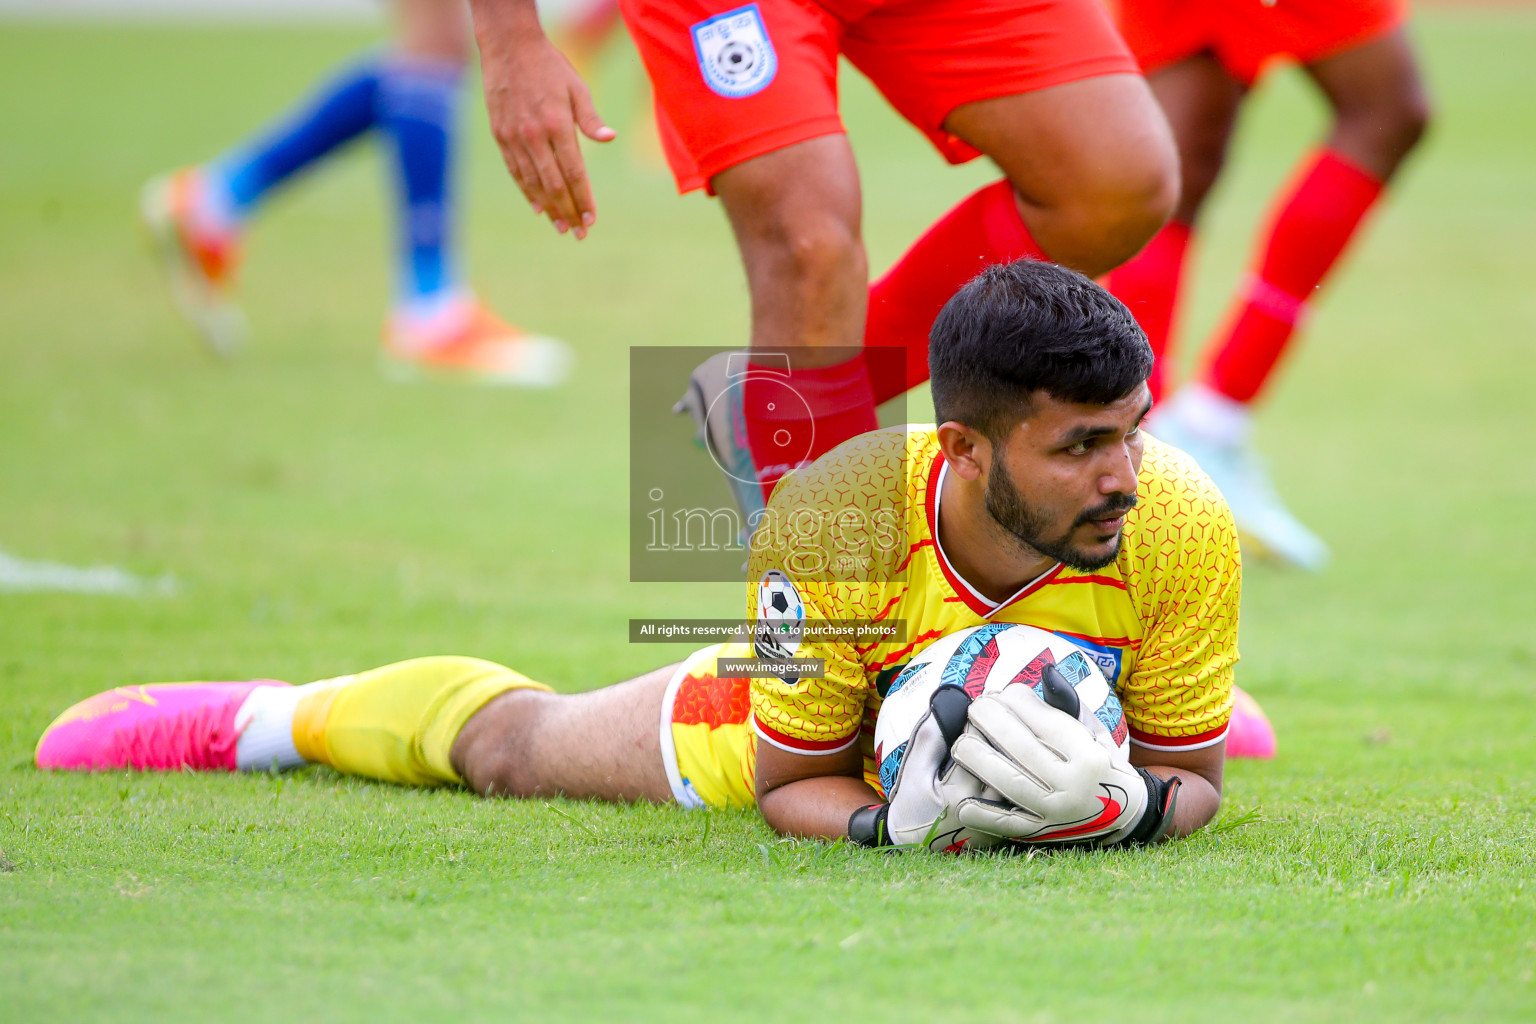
(1037, 500)
(408, 93)
(1201, 57)
(746, 103)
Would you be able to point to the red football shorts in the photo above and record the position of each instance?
(735, 81)
(1247, 35)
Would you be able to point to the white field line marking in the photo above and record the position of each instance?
(20, 575)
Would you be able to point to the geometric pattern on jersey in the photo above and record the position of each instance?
(1161, 620)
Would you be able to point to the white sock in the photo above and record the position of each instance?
(213, 212)
(265, 722)
(433, 320)
(1211, 416)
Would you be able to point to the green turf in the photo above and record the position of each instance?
(318, 519)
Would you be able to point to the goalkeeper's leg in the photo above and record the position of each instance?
(604, 744)
(429, 721)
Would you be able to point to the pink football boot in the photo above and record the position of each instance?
(159, 727)
(1250, 734)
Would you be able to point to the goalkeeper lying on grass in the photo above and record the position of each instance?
(1037, 500)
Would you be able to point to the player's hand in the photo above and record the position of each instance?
(537, 103)
(1058, 782)
(928, 787)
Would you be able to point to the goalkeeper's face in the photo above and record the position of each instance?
(1063, 479)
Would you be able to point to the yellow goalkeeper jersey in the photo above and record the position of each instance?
(856, 535)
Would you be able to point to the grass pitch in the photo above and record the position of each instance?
(318, 520)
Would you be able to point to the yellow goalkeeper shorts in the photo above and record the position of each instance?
(707, 743)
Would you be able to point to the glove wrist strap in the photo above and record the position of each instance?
(867, 826)
(1162, 797)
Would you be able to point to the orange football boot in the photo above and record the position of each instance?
(201, 264)
(472, 343)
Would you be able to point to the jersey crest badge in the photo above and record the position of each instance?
(735, 54)
(780, 618)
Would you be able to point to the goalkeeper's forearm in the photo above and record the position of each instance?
(817, 808)
(1198, 799)
(1200, 776)
(811, 795)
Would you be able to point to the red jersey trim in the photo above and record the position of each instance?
(796, 745)
(927, 542)
(1103, 581)
(895, 656)
(931, 497)
(890, 606)
(1195, 742)
(955, 580)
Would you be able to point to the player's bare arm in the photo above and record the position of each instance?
(811, 794)
(537, 103)
(1199, 773)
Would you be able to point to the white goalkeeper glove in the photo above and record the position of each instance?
(1059, 782)
(929, 786)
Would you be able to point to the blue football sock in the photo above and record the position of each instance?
(343, 108)
(418, 113)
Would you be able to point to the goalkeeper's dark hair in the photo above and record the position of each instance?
(1027, 326)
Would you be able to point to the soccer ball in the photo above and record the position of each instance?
(984, 659)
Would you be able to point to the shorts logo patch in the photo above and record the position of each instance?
(735, 53)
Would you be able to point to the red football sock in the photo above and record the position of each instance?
(984, 229)
(1149, 287)
(791, 420)
(1311, 227)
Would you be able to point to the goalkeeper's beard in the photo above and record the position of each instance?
(1006, 505)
